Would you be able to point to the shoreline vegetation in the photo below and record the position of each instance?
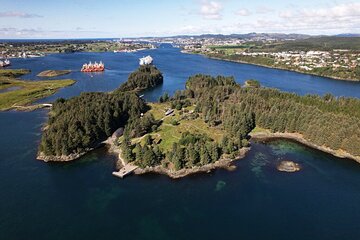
(280, 68)
(223, 163)
(19, 94)
(265, 135)
(93, 116)
(39, 48)
(206, 126)
(53, 73)
(331, 57)
(274, 67)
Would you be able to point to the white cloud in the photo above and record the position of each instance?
(335, 19)
(345, 10)
(10, 32)
(211, 10)
(341, 10)
(264, 10)
(343, 17)
(243, 12)
(19, 15)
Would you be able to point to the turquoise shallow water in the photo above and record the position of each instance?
(82, 200)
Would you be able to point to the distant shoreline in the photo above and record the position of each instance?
(265, 135)
(291, 70)
(273, 67)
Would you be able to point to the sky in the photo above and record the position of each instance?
(141, 18)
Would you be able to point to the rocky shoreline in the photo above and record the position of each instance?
(53, 73)
(288, 166)
(300, 138)
(29, 108)
(224, 163)
(63, 158)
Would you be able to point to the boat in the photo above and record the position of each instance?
(148, 60)
(5, 63)
(93, 67)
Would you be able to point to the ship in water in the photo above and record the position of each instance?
(5, 63)
(93, 67)
(148, 60)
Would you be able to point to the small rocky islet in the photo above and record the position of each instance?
(53, 73)
(288, 166)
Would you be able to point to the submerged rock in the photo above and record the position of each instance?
(220, 185)
(288, 166)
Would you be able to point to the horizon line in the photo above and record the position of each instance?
(179, 35)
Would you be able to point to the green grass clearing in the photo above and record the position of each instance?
(28, 92)
(170, 134)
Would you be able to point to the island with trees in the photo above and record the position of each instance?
(212, 121)
(205, 126)
(80, 124)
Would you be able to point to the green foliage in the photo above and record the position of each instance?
(13, 73)
(126, 148)
(174, 122)
(147, 76)
(319, 43)
(199, 81)
(252, 83)
(164, 98)
(148, 140)
(327, 120)
(26, 92)
(193, 150)
(83, 122)
(142, 125)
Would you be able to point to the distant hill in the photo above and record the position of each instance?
(348, 35)
(319, 43)
(276, 36)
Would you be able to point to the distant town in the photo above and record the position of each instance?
(320, 56)
(330, 56)
(36, 48)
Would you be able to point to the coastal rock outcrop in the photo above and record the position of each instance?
(288, 166)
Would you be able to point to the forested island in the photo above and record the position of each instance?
(205, 126)
(80, 124)
(214, 118)
(145, 77)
